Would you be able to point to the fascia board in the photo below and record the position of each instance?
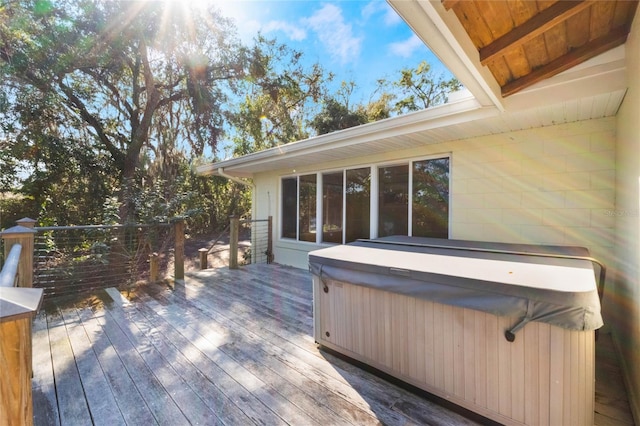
(441, 31)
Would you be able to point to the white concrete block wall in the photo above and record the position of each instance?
(626, 292)
(552, 185)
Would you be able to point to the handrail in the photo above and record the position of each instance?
(9, 272)
(18, 304)
(85, 227)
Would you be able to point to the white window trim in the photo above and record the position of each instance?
(374, 201)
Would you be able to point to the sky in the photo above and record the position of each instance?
(359, 40)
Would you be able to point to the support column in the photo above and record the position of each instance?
(179, 250)
(203, 254)
(233, 241)
(270, 255)
(19, 304)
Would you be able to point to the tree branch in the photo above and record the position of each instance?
(76, 103)
(112, 88)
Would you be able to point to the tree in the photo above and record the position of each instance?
(280, 96)
(337, 113)
(118, 69)
(420, 88)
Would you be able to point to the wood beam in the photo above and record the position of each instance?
(615, 38)
(535, 26)
(448, 4)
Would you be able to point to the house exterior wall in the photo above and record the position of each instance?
(627, 289)
(551, 185)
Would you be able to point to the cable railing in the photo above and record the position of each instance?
(243, 241)
(71, 259)
(260, 249)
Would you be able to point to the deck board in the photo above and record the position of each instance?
(43, 388)
(98, 394)
(73, 410)
(226, 347)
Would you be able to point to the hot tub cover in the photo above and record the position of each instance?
(477, 275)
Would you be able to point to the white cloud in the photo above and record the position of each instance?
(390, 17)
(336, 35)
(294, 32)
(373, 7)
(406, 48)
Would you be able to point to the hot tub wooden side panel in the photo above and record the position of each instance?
(546, 376)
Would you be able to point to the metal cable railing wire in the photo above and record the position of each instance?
(73, 259)
(259, 234)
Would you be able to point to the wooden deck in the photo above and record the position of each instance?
(228, 347)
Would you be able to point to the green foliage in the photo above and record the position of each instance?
(337, 114)
(14, 207)
(280, 95)
(420, 88)
(125, 76)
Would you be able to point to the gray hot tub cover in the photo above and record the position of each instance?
(574, 310)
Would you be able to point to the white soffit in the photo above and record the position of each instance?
(603, 74)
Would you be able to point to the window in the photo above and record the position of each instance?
(408, 199)
(430, 206)
(299, 208)
(307, 216)
(358, 199)
(332, 207)
(289, 207)
(393, 200)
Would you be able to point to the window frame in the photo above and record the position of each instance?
(373, 201)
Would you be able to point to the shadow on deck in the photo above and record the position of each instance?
(227, 347)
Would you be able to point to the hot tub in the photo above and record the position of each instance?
(504, 330)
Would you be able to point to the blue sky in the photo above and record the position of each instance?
(359, 40)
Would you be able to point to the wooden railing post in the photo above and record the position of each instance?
(204, 254)
(24, 235)
(154, 268)
(233, 241)
(179, 249)
(19, 304)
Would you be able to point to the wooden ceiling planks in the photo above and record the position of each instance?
(525, 41)
(578, 29)
(571, 59)
(601, 19)
(531, 28)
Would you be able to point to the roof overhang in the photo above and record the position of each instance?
(441, 31)
(387, 135)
